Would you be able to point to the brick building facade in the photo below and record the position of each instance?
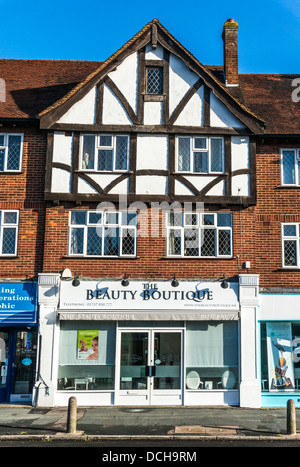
(205, 161)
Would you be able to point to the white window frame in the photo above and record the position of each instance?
(8, 225)
(199, 227)
(295, 238)
(193, 149)
(97, 147)
(296, 152)
(5, 147)
(102, 225)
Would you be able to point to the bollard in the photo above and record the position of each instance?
(72, 415)
(291, 417)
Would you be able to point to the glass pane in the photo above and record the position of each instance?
(129, 218)
(224, 220)
(105, 140)
(3, 359)
(288, 164)
(200, 143)
(175, 219)
(174, 242)
(167, 360)
(208, 242)
(289, 230)
(155, 80)
(9, 241)
(94, 241)
(184, 154)
(128, 241)
(2, 157)
(121, 153)
(191, 242)
(25, 362)
(95, 217)
(208, 219)
(224, 242)
(14, 152)
(216, 155)
(105, 159)
(201, 162)
(10, 217)
(78, 217)
(290, 253)
(111, 241)
(112, 218)
(77, 235)
(191, 219)
(1, 140)
(88, 152)
(134, 358)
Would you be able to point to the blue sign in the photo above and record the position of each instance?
(26, 361)
(18, 302)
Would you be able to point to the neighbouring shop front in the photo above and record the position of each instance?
(146, 343)
(279, 336)
(18, 341)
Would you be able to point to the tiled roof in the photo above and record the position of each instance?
(33, 85)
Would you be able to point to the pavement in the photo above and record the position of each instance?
(24, 421)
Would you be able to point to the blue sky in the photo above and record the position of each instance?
(269, 30)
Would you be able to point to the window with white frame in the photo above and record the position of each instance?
(290, 235)
(11, 146)
(290, 167)
(102, 233)
(199, 234)
(200, 154)
(105, 153)
(9, 221)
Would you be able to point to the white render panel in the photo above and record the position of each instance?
(151, 185)
(61, 181)
(152, 152)
(153, 113)
(220, 116)
(154, 54)
(128, 87)
(240, 185)
(217, 190)
(192, 114)
(181, 79)
(121, 188)
(62, 148)
(239, 152)
(181, 189)
(200, 181)
(84, 111)
(113, 111)
(85, 187)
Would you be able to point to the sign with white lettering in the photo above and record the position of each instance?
(18, 302)
(139, 295)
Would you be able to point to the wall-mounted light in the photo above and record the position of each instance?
(224, 283)
(125, 281)
(76, 281)
(174, 282)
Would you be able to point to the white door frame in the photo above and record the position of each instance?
(148, 395)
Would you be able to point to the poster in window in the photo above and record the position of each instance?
(279, 345)
(87, 345)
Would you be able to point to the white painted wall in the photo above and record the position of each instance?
(62, 148)
(152, 152)
(220, 116)
(239, 152)
(181, 79)
(113, 111)
(61, 181)
(150, 185)
(84, 111)
(125, 78)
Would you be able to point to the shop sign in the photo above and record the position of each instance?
(110, 295)
(18, 302)
(279, 345)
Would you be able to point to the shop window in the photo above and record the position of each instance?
(105, 153)
(290, 235)
(86, 356)
(9, 221)
(11, 146)
(211, 355)
(199, 235)
(200, 154)
(280, 357)
(290, 167)
(102, 233)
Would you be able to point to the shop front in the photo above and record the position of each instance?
(279, 332)
(18, 341)
(147, 343)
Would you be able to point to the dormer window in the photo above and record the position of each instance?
(154, 80)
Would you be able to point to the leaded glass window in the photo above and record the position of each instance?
(10, 152)
(9, 221)
(105, 153)
(102, 233)
(154, 80)
(290, 245)
(199, 234)
(200, 154)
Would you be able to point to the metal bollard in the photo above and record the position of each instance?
(291, 417)
(72, 415)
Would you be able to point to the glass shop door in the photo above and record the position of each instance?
(149, 367)
(23, 365)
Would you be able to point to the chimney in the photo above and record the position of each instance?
(230, 47)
